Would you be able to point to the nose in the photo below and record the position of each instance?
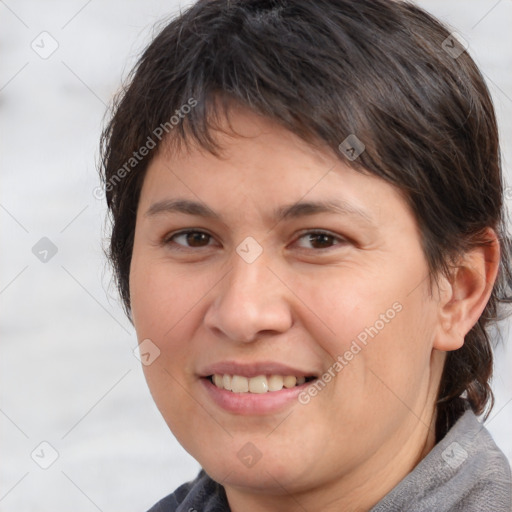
(251, 302)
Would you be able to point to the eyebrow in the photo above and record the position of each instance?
(286, 212)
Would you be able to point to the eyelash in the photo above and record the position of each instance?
(169, 239)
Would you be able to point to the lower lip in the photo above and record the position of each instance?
(253, 403)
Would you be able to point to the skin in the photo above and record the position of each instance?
(302, 303)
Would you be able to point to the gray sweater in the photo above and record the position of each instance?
(464, 472)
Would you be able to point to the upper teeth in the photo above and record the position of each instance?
(259, 384)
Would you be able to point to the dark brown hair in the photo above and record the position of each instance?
(384, 71)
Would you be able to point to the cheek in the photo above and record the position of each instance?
(378, 337)
(350, 305)
(161, 297)
(163, 311)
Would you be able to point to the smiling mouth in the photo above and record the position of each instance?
(259, 384)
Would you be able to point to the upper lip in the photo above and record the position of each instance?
(253, 369)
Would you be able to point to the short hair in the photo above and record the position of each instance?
(381, 70)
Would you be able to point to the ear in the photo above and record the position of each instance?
(463, 297)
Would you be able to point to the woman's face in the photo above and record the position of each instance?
(296, 266)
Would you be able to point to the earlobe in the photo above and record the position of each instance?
(464, 296)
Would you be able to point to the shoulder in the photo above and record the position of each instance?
(201, 494)
(464, 472)
(483, 471)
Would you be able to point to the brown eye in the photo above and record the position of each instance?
(319, 240)
(191, 239)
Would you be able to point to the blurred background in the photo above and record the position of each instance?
(78, 428)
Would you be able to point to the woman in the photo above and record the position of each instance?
(308, 235)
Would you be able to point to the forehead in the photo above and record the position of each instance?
(263, 166)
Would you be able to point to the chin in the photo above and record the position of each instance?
(262, 480)
(269, 475)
